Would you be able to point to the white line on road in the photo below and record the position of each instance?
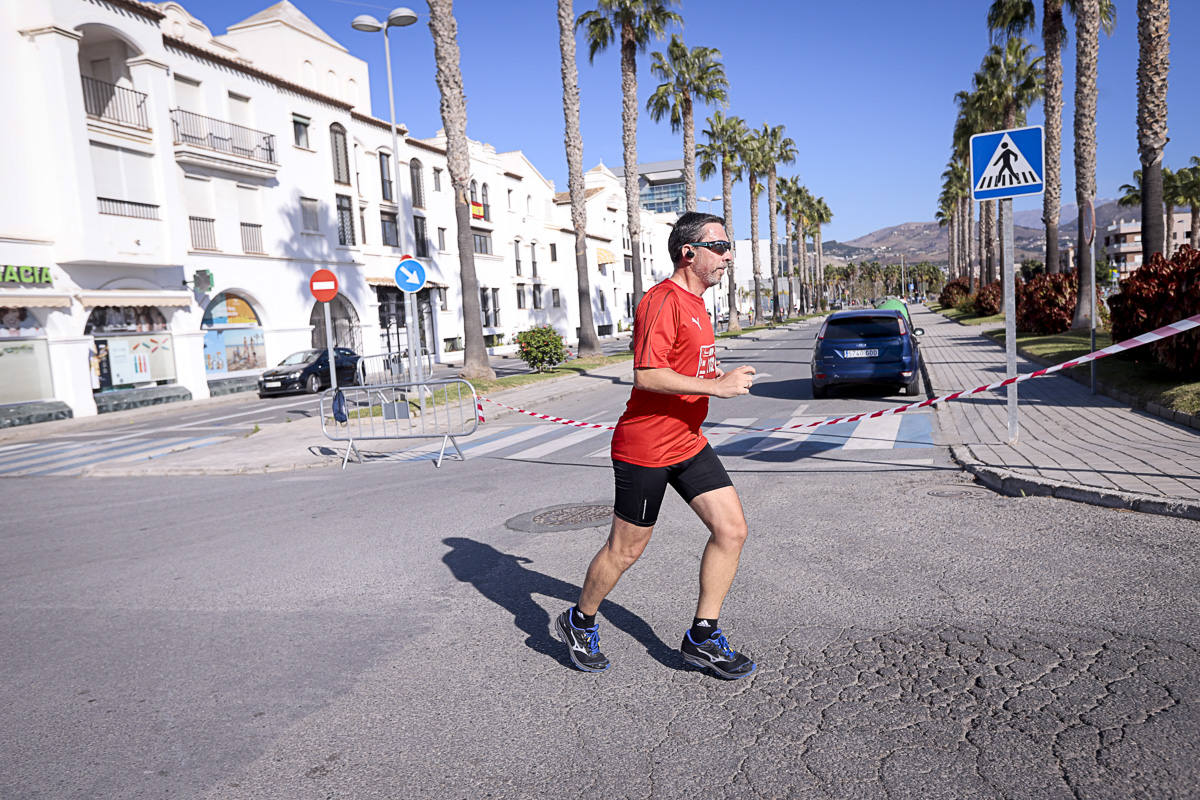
(874, 434)
(557, 443)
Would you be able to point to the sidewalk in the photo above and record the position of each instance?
(1072, 444)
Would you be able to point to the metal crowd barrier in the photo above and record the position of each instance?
(387, 368)
(427, 410)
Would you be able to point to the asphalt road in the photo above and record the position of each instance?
(384, 632)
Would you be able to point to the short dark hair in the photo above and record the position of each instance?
(688, 228)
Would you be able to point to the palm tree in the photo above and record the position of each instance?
(821, 216)
(1190, 185)
(454, 119)
(753, 156)
(1087, 45)
(974, 116)
(1173, 194)
(686, 74)
(724, 147)
(945, 219)
(1154, 17)
(778, 149)
(589, 343)
(789, 192)
(633, 23)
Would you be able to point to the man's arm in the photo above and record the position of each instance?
(664, 380)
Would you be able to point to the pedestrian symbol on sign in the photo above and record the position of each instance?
(1007, 163)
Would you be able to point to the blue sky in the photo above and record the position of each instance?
(865, 89)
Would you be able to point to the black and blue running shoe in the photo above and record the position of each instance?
(714, 653)
(583, 644)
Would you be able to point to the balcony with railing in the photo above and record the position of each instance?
(113, 103)
(204, 233)
(204, 141)
(252, 241)
(127, 208)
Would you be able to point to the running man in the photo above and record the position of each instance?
(658, 442)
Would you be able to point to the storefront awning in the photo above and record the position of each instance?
(34, 299)
(604, 256)
(136, 297)
(392, 283)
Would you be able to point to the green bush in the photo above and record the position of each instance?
(1157, 294)
(990, 300)
(966, 304)
(541, 348)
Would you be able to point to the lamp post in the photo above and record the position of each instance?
(397, 18)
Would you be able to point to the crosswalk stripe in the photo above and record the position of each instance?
(557, 443)
(874, 434)
(793, 438)
(158, 444)
(743, 443)
(41, 448)
(727, 429)
(68, 453)
(528, 432)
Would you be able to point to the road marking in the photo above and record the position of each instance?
(874, 434)
(158, 445)
(557, 443)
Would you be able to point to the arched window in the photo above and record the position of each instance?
(233, 336)
(346, 330)
(487, 209)
(352, 92)
(308, 74)
(341, 160)
(528, 204)
(331, 84)
(474, 192)
(418, 183)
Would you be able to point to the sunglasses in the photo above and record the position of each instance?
(720, 247)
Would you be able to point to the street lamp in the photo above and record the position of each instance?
(397, 18)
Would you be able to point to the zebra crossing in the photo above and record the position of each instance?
(62, 456)
(733, 437)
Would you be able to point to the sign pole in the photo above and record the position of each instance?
(413, 333)
(1010, 317)
(329, 345)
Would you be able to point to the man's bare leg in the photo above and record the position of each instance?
(721, 511)
(625, 544)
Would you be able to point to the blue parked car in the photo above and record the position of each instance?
(866, 347)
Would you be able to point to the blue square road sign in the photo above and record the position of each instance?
(1008, 163)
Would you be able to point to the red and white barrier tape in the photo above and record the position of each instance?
(1164, 332)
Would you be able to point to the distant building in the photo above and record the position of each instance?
(660, 186)
(1123, 242)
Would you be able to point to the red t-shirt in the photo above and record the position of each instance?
(671, 329)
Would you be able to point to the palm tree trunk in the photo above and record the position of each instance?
(754, 258)
(1052, 39)
(1154, 17)
(689, 156)
(444, 29)
(787, 249)
(773, 228)
(1195, 227)
(629, 119)
(589, 343)
(968, 232)
(727, 207)
(819, 254)
(1087, 46)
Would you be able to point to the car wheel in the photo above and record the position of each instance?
(913, 388)
(313, 384)
(820, 392)
(262, 396)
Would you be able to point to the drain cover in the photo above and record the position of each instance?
(561, 518)
(957, 492)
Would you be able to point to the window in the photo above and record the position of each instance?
(443, 304)
(362, 222)
(489, 307)
(603, 302)
(487, 209)
(628, 305)
(528, 204)
(555, 298)
(537, 295)
(391, 235)
(520, 295)
(250, 216)
(510, 208)
(418, 188)
(517, 255)
(385, 176)
(553, 252)
(309, 221)
(437, 179)
(629, 263)
(345, 220)
(496, 307)
(300, 130)
(474, 192)
(421, 242)
(341, 161)
(533, 260)
(441, 239)
(482, 242)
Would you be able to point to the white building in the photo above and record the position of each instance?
(1123, 242)
(152, 156)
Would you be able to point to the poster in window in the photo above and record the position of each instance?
(24, 371)
(18, 323)
(244, 350)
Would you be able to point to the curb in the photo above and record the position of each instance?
(1013, 484)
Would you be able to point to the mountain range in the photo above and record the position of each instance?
(927, 241)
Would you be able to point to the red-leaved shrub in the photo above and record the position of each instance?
(990, 300)
(1156, 294)
(953, 293)
(1046, 303)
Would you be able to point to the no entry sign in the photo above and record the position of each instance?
(323, 285)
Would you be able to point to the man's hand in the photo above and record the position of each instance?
(737, 381)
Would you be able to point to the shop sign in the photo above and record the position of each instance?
(13, 276)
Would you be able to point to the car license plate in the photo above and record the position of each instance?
(273, 384)
(871, 353)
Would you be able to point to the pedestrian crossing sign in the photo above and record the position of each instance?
(1007, 163)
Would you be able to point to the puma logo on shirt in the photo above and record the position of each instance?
(697, 321)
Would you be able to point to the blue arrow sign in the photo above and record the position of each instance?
(410, 275)
(1007, 163)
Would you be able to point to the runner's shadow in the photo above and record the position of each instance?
(503, 579)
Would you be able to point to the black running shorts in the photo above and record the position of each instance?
(640, 490)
